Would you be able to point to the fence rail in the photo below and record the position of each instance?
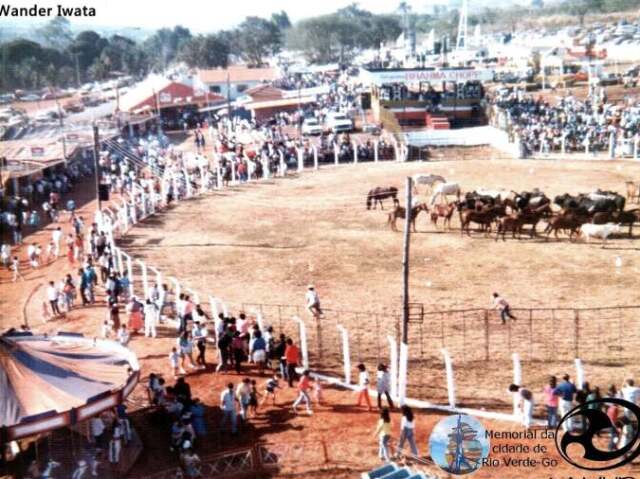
(475, 334)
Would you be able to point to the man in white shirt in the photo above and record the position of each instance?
(181, 306)
(56, 236)
(631, 393)
(52, 297)
(150, 317)
(313, 302)
(228, 406)
(502, 305)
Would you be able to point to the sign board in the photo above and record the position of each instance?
(414, 76)
(165, 97)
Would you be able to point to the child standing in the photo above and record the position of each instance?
(15, 266)
(106, 329)
(253, 399)
(363, 385)
(383, 431)
(174, 360)
(270, 389)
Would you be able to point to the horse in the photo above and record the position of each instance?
(429, 180)
(442, 211)
(379, 193)
(483, 217)
(566, 221)
(445, 189)
(400, 212)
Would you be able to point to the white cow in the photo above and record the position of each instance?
(589, 230)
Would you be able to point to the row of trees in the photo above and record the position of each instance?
(59, 58)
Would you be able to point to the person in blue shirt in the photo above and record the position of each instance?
(258, 351)
(566, 391)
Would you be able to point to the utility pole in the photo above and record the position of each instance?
(405, 263)
(77, 69)
(96, 162)
(61, 121)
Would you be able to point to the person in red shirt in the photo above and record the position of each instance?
(291, 356)
(304, 386)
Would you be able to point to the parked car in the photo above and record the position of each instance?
(73, 107)
(311, 126)
(338, 122)
(608, 79)
(30, 97)
(371, 128)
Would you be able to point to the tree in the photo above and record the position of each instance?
(580, 8)
(314, 38)
(208, 51)
(281, 20)
(56, 33)
(163, 46)
(86, 48)
(258, 38)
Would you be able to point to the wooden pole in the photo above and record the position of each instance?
(96, 162)
(405, 263)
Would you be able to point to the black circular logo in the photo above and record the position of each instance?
(595, 421)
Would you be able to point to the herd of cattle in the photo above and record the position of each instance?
(599, 214)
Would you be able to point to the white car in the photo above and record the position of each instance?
(338, 122)
(311, 126)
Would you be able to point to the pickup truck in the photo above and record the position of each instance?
(310, 126)
(338, 122)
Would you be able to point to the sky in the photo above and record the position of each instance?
(203, 15)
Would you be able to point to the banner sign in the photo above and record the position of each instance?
(414, 76)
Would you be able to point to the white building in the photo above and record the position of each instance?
(233, 81)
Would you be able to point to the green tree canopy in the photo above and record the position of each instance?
(205, 51)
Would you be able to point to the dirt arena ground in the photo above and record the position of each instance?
(264, 243)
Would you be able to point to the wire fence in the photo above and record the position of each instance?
(476, 339)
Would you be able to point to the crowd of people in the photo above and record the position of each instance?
(581, 125)
(40, 199)
(560, 397)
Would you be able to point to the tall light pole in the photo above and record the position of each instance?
(405, 262)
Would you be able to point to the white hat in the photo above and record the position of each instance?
(310, 286)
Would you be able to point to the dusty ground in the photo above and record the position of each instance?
(264, 243)
(260, 245)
